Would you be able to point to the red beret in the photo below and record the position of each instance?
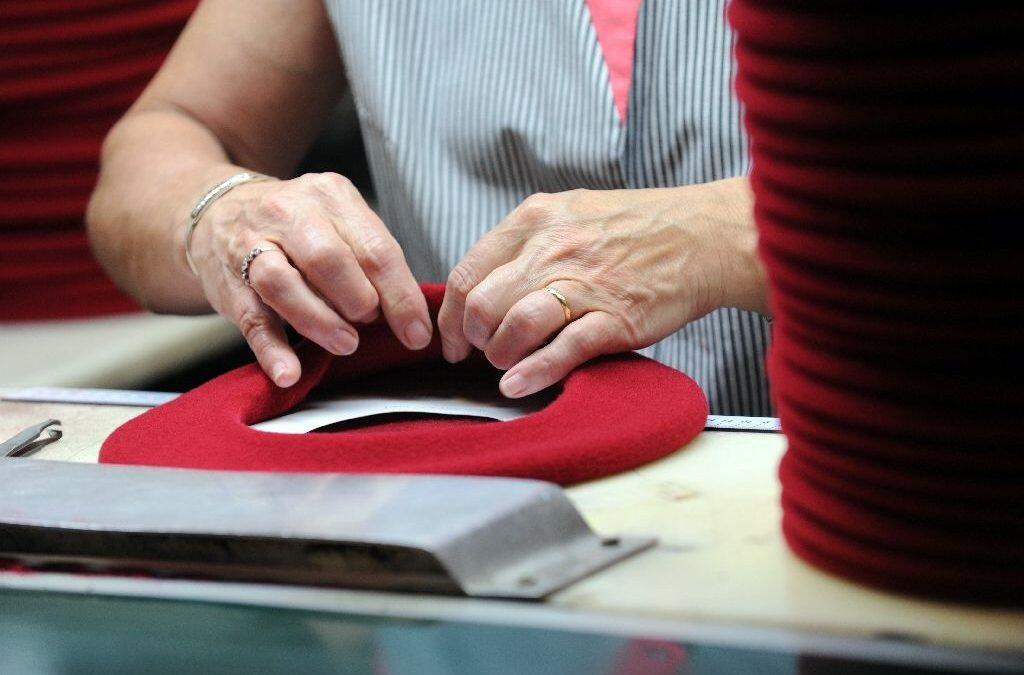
(612, 414)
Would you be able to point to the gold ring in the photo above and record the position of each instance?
(562, 301)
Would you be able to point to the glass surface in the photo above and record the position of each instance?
(57, 633)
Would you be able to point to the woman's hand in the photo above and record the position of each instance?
(634, 266)
(335, 265)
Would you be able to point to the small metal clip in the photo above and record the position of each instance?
(26, 442)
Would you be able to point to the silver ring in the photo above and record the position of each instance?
(249, 257)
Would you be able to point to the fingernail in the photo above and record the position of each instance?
(417, 335)
(277, 373)
(345, 343)
(513, 385)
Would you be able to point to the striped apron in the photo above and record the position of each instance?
(469, 106)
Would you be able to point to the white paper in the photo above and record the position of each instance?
(315, 414)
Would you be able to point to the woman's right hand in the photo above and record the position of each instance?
(336, 265)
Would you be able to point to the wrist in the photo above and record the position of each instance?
(744, 282)
(219, 201)
(749, 288)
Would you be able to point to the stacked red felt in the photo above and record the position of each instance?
(888, 170)
(68, 71)
(612, 414)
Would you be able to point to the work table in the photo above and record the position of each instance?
(721, 559)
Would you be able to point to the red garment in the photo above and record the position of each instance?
(889, 188)
(68, 71)
(613, 414)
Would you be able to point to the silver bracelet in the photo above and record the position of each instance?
(212, 195)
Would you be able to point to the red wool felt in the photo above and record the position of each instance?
(889, 197)
(613, 414)
(68, 71)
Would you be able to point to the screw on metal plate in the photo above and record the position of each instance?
(27, 441)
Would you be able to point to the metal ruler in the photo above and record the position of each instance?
(149, 399)
(139, 399)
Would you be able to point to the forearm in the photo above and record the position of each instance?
(156, 162)
(247, 84)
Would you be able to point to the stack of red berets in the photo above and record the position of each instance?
(68, 71)
(888, 170)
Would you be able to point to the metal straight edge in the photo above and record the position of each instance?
(476, 536)
(149, 399)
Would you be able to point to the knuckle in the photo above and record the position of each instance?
(574, 198)
(536, 207)
(274, 206)
(329, 182)
(526, 320)
(238, 242)
(270, 280)
(569, 245)
(378, 253)
(403, 304)
(626, 331)
(614, 335)
(538, 200)
(321, 261)
(255, 326)
(449, 321)
(461, 280)
(478, 307)
(545, 365)
(592, 342)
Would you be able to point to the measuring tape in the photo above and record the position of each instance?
(150, 399)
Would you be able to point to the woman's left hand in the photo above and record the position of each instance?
(633, 265)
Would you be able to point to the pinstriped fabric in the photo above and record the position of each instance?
(683, 127)
(468, 107)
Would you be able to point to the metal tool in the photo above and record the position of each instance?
(741, 423)
(486, 537)
(26, 442)
(148, 399)
(90, 396)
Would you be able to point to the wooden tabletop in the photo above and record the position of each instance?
(714, 506)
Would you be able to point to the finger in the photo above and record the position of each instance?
(330, 267)
(284, 290)
(490, 301)
(491, 251)
(265, 335)
(527, 326)
(401, 299)
(589, 336)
